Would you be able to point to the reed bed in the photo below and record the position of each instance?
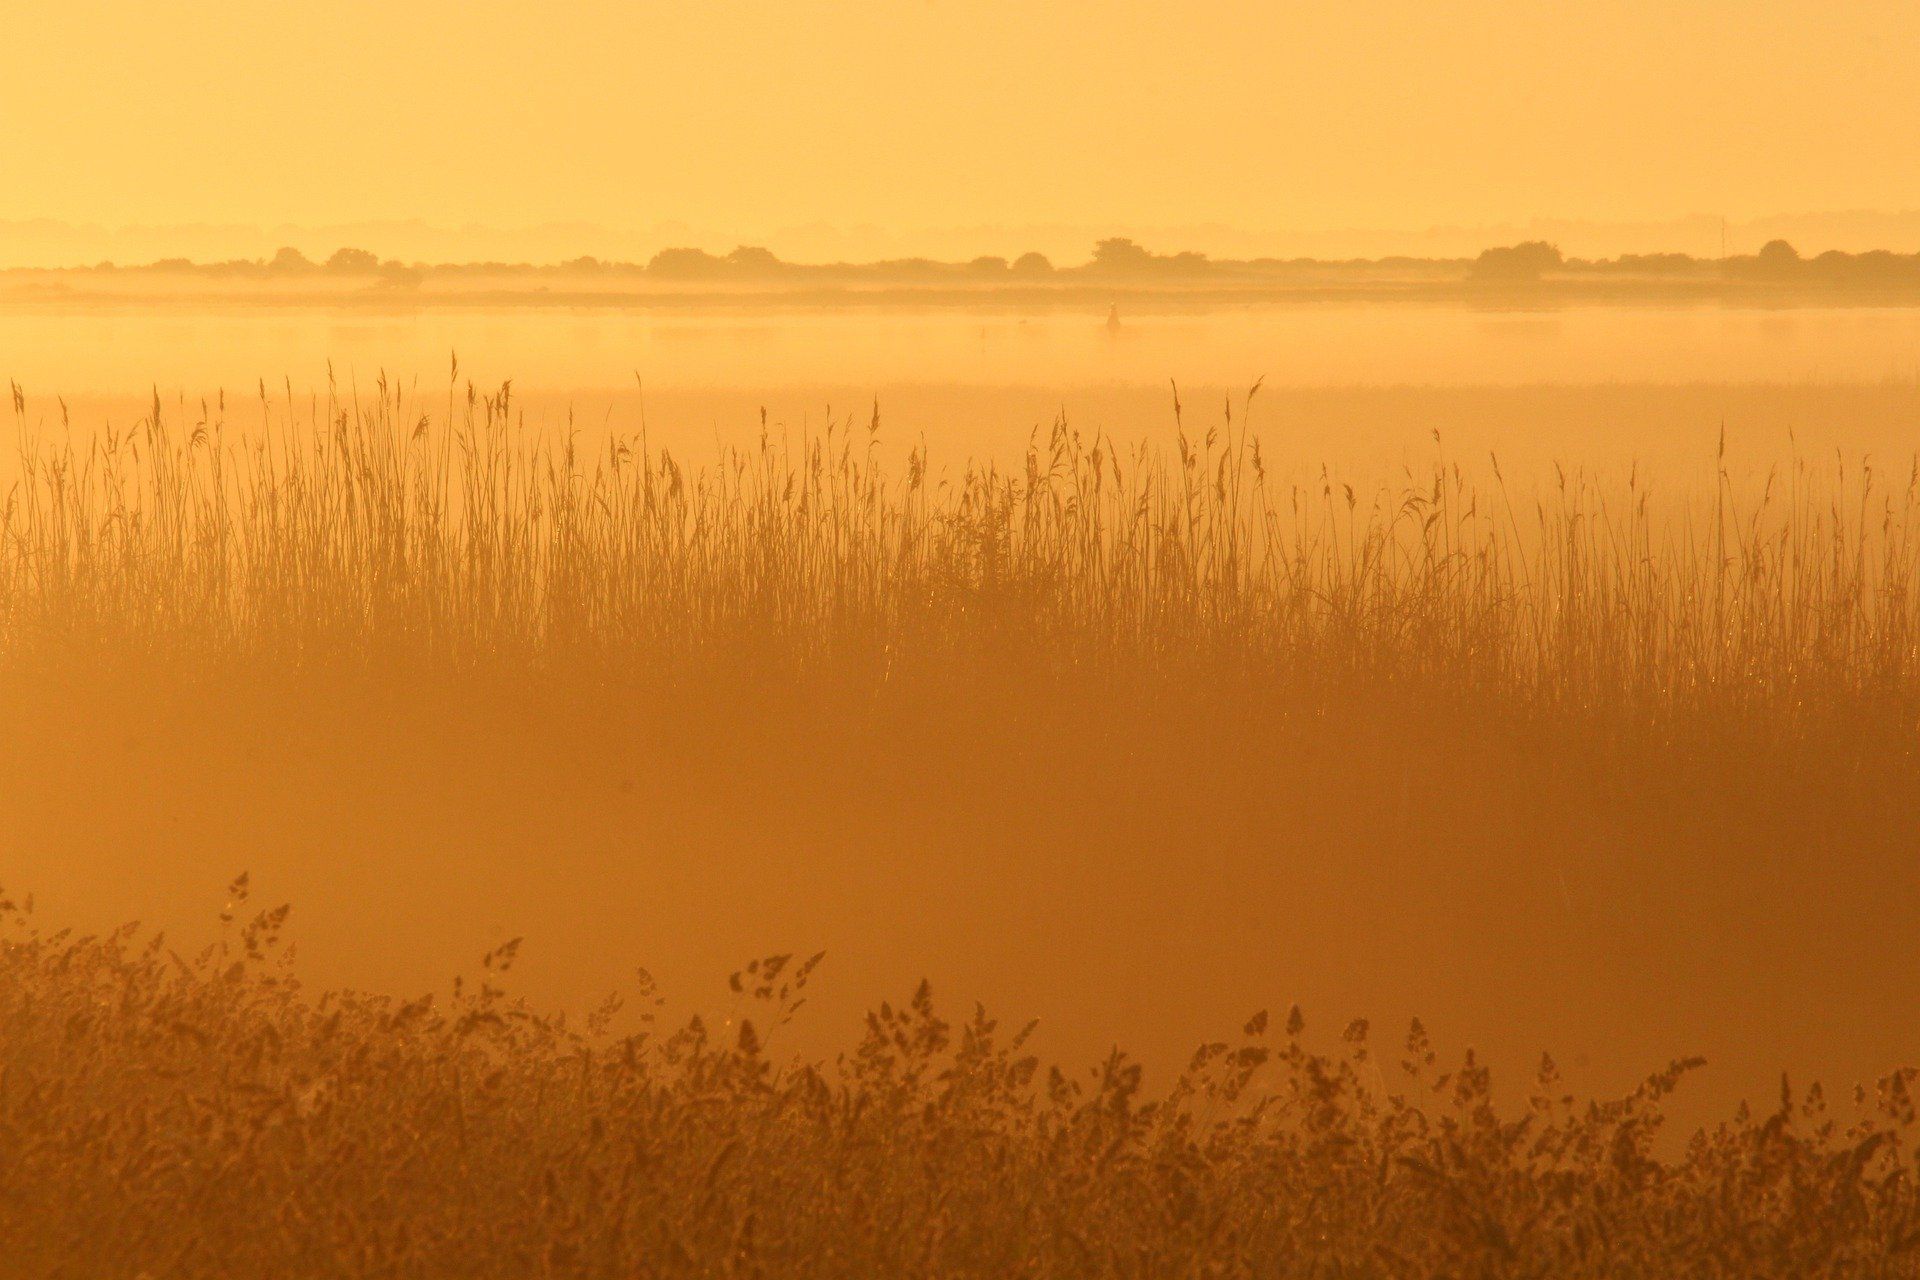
(399, 529)
(204, 1116)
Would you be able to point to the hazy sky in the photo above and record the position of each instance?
(904, 114)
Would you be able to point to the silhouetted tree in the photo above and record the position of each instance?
(754, 259)
(1778, 257)
(988, 265)
(685, 264)
(290, 260)
(1032, 264)
(394, 272)
(1528, 260)
(1121, 254)
(353, 261)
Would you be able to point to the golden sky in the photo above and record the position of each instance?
(904, 114)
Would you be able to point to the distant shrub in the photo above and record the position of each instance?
(290, 261)
(1526, 261)
(685, 264)
(353, 262)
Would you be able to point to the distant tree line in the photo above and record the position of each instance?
(1115, 258)
(1777, 261)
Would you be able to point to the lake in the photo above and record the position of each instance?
(1359, 385)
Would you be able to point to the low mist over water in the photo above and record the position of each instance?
(1359, 386)
(84, 349)
(960, 640)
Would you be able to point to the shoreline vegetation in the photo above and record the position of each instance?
(1125, 700)
(1532, 273)
(205, 1115)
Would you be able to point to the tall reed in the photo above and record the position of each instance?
(392, 527)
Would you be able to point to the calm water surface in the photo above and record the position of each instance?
(1352, 384)
(109, 349)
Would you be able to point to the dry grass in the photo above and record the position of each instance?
(177, 1117)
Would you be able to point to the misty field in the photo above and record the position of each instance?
(1125, 732)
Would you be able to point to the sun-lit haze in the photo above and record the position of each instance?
(907, 127)
(1193, 526)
